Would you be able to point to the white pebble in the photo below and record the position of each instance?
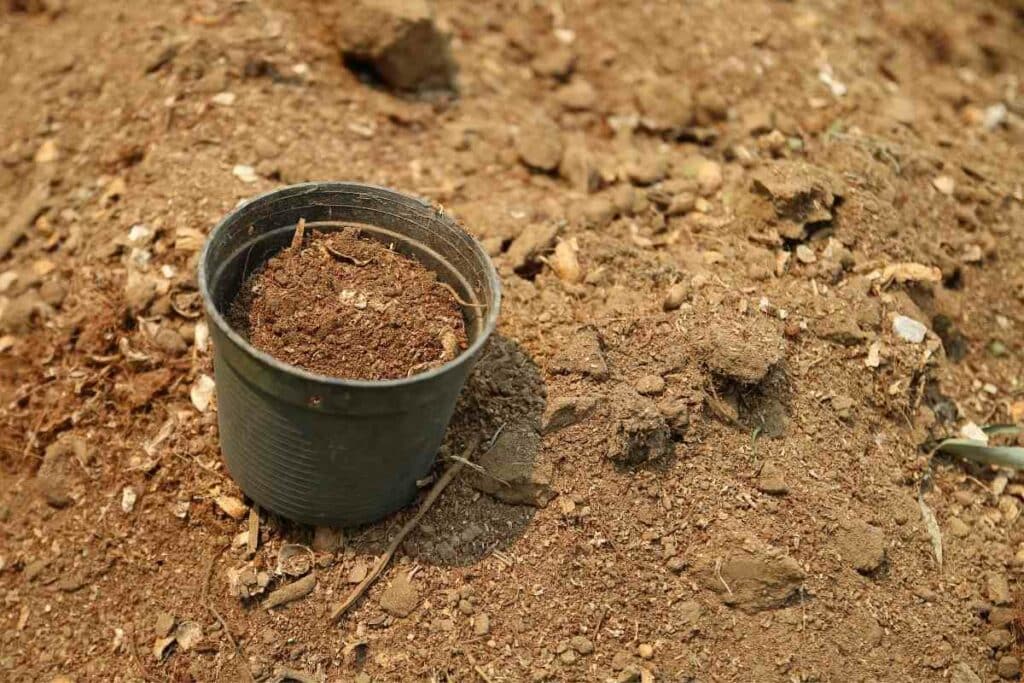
(908, 329)
(247, 174)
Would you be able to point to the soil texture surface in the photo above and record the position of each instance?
(347, 306)
(758, 259)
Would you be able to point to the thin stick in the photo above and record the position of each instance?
(458, 299)
(252, 540)
(345, 257)
(300, 233)
(243, 666)
(382, 563)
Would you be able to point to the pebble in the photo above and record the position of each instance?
(999, 639)
(771, 481)
(53, 293)
(164, 624)
(944, 184)
(466, 607)
(579, 95)
(963, 673)
(958, 528)
(676, 564)
(646, 170)
(650, 385)
(568, 657)
(47, 153)
(676, 413)
(247, 174)
(170, 341)
(539, 145)
(481, 625)
(1008, 667)
(665, 104)
(676, 295)
(709, 177)
(804, 254)
(554, 63)
(645, 650)
(997, 588)
(582, 645)
(908, 329)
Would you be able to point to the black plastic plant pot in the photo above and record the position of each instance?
(318, 449)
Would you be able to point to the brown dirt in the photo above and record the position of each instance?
(742, 175)
(348, 306)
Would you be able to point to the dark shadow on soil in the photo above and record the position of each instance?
(505, 391)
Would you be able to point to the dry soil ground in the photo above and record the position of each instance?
(715, 442)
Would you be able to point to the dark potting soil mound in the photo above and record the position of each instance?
(347, 306)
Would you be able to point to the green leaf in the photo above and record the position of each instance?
(1004, 456)
(1007, 430)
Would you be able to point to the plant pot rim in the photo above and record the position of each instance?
(489, 324)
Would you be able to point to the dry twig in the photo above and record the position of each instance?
(345, 257)
(300, 233)
(382, 563)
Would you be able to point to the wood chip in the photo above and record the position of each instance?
(291, 592)
(232, 507)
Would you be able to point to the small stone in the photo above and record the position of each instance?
(645, 650)
(650, 385)
(1008, 667)
(224, 99)
(578, 168)
(578, 95)
(646, 170)
(957, 528)
(47, 153)
(804, 254)
(582, 645)
(466, 607)
(245, 173)
(55, 492)
(357, 573)
(676, 295)
(568, 657)
(554, 63)
(908, 329)
(709, 177)
(944, 184)
(400, 598)
(666, 104)
(621, 660)
(999, 639)
(963, 673)
(170, 341)
(639, 434)
(128, 498)
(997, 588)
(53, 293)
(539, 145)
(676, 413)
(481, 624)
(164, 624)
(676, 564)
(1001, 616)
(139, 292)
(771, 481)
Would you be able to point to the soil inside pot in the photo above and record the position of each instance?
(344, 305)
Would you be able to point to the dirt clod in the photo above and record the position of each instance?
(862, 546)
(401, 597)
(401, 41)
